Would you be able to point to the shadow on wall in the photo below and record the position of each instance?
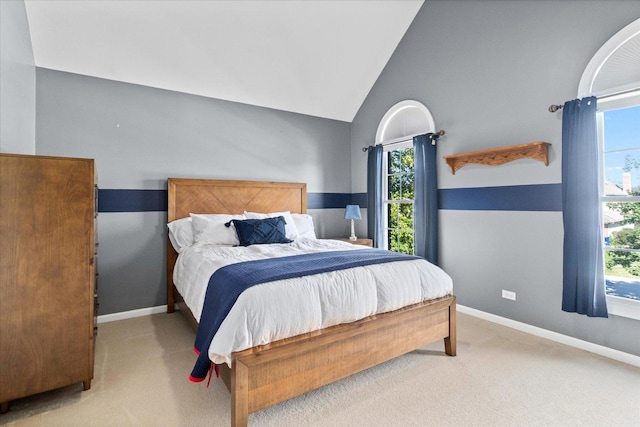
(131, 261)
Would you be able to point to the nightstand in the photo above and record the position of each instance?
(363, 242)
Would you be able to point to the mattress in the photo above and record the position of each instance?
(281, 309)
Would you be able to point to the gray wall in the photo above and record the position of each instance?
(17, 81)
(488, 70)
(140, 136)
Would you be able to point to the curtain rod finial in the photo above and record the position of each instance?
(434, 136)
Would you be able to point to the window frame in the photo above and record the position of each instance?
(403, 143)
(618, 306)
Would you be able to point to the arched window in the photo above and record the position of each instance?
(613, 76)
(615, 68)
(396, 130)
(403, 121)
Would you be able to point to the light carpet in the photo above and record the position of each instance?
(500, 377)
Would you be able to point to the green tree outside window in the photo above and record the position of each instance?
(400, 196)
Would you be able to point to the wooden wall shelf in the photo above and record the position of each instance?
(496, 156)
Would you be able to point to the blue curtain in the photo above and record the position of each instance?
(583, 289)
(374, 195)
(426, 199)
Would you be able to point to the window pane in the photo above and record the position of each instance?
(400, 176)
(622, 172)
(408, 191)
(401, 240)
(393, 187)
(406, 155)
(392, 238)
(621, 148)
(622, 151)
(400, 160)
(620, 229)
(395, 161)
(400, 187)
(400, 231)
(622, 249)
(393, 215)
(406, 215)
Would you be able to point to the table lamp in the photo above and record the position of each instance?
(352, 212)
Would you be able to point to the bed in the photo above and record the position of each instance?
(268, 374)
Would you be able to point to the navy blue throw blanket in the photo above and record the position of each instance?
(227, 283)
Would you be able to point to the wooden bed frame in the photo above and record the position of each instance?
(266, 375)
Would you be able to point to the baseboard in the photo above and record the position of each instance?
(601, 350)
(131, 314)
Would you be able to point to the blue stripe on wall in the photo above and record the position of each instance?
(328, 200)
(156, 200)
(132, 200)
(359, 199)
(542, 197)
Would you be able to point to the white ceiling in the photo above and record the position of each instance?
(313, 57)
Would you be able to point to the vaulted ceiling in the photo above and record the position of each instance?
(313, 57)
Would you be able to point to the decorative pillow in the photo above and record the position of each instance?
(304, 225)
(260, 231)
(290, 226)
(180, 233)
(210, 229)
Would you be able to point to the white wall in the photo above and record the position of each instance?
(17, 81)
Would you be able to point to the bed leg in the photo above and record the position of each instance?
(239, 394)
(450, 341)
(172, 257)
(170, 299)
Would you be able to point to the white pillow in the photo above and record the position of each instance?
(211, 229)
(289, 227)
(304, 225)
(180, 233)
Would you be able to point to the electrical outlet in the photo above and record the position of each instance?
(509, 295)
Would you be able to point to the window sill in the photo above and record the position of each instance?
(624, 307)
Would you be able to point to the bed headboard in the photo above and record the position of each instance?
(233, 197)
(210, 196)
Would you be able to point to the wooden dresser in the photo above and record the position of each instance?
(47, 274)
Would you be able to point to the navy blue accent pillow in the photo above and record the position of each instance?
(260, 231)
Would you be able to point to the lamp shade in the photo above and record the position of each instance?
(352, 212)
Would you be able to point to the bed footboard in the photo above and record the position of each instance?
(267, 375)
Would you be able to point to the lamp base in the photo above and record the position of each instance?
(353, 232)
(353, 238)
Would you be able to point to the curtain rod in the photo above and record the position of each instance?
(432, 136)
(553, 107)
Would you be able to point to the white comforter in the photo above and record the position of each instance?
(285, 308)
